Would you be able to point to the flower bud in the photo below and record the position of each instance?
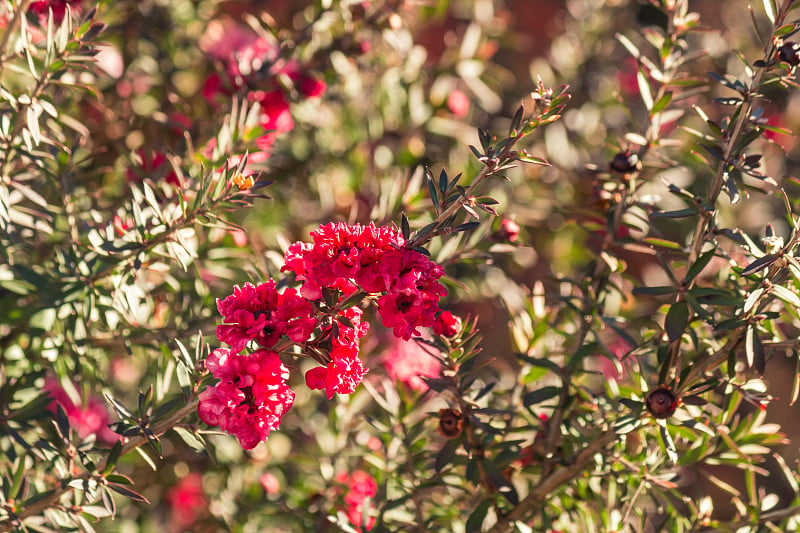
(661, 402)
(625, 163)
(451, 423)
(508, 231)
(790, 53)
(447, 324)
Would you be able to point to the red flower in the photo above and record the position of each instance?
(413, 292)
(186, 501)
(59, 7)
(360, 486)
(262, 314)
(345, 371)
(508, 231)
(251, 397)
(344, 256)
(372, 259)
(447, 324)
(311, 87)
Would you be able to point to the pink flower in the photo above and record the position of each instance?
(360, 485)
(275, 114)
(342, 253)
(59, 7)
(508, 231)
(120, 226)
(447, 324)
(413, 292)
(372, 259)
(262, 314)
(251, 396)
(407, 361)
(458, 103)
(241, 50)
(87, 418)
(186, 501)
(345, 370)
(239, 237)
(270, 483)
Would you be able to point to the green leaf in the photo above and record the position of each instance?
(680, 213)
(128, 493)
(626, 424)
(62, 422)
(190, 439)
(644, 89)
(113, 457)
(730, 100)
(752, 299)
(632, 48)
(18, 477)
(634, 405)
(669, 445)
(475, 520)
(661, 103)
(540, 395)
(676, 321)
(699, 265)
(433, 194)
(662, 243)
(527, 158)
(760, 264)
(662, 290)
(120, 479)
(446, 454)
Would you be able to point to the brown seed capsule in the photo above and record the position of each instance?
(451, 423)
(790, 53)
(625, 163)
(661, 402)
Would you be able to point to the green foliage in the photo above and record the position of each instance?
(628, 362)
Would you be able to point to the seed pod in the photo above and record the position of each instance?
(790, 53)
(625, 163)
(661, 402)
(451, 423)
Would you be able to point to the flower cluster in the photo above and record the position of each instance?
(251, 65)
(371, 259)
(344, 371)
(251, 396)
(263, 315)
(324, 319)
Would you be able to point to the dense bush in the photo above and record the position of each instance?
(296, 266)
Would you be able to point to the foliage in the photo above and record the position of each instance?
(618, 346)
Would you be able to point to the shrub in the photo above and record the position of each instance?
(259, 272)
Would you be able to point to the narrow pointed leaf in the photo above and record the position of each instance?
(677, 320)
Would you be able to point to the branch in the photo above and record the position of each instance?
(538, 496)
